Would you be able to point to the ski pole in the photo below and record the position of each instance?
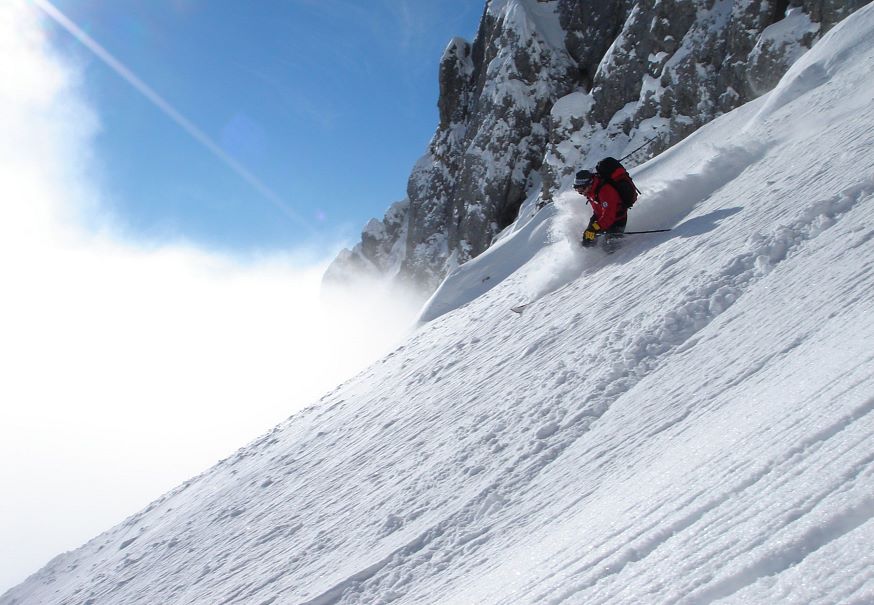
(645, 143)
(650, 231)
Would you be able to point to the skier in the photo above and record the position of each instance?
(611, 193)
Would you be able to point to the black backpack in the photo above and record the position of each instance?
(613, 172)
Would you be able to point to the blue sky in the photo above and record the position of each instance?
(328, 103)
(160, 311)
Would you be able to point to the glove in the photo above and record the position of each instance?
(591, 233)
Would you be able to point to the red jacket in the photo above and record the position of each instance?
(608, 206)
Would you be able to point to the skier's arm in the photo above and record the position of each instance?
(610, 202)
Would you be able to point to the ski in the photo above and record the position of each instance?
(519, 308)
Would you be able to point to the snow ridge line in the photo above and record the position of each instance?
(789, 554)
(357, 580)
(336, 592)
(636, 548)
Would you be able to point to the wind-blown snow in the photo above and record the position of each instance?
(688, 420)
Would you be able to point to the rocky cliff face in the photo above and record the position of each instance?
(548, 87)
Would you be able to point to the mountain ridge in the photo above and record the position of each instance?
(549, 87)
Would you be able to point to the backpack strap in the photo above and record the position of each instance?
(603, 180)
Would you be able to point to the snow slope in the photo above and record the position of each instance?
(688, 420)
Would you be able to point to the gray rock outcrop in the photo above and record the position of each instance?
(549, 86)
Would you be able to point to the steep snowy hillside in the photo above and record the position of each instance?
(689, 420)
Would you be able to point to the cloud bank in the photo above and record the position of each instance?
(129, 367)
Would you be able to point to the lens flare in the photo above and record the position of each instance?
(187, 125)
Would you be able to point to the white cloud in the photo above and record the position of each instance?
(127, 369)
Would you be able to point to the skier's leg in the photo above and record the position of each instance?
(612, 242)
(613, 236)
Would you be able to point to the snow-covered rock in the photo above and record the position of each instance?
(548, 87)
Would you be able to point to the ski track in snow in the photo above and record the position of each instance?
(674, 333)
(686, 421)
